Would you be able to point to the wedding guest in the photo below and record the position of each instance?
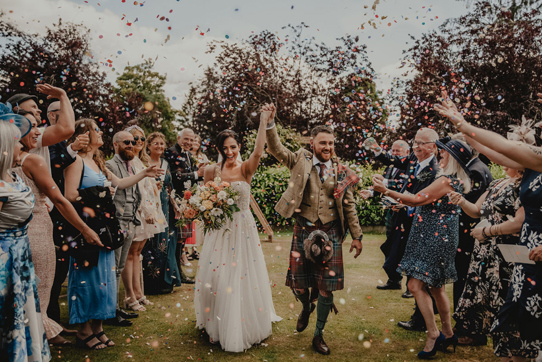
(22, 336)
(35, 173)
(429, 255)
(520, 311)
(92, 285)
(55, 133)
(184, 172)
(160, 271)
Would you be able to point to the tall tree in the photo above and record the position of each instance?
(310, 83)
(140, 92)
(490, 63)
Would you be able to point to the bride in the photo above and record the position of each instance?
(233, 299)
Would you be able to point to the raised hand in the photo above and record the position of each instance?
(448, 109)
(81, 142)
(52, 92)
(267, 113)
(379, 186)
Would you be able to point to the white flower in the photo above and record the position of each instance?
(222, 195)
(216, 212)
(188, 185)
(195, 200)
(202, 208)
(230, 202)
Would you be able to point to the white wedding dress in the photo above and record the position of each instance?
(233, 298)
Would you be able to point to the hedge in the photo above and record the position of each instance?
(269, 183)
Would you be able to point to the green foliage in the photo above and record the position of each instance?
(288, 137)
(268, 185)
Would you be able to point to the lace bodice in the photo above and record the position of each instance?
(243, 187)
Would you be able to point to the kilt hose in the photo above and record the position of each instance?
(303, 273)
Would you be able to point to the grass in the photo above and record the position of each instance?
(364, 329)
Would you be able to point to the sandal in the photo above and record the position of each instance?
(102, 333)
(144, 301)
(82, 343)
(58, 341)
(135, 306)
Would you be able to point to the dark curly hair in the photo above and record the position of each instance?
(221, 138)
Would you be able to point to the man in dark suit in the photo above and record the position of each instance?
(481, 177)
(185, 173)
(61, 157)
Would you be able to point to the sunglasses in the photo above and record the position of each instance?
(137, 138)
(97, 130)
(127, 142)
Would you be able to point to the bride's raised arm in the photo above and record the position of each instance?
(268, 111)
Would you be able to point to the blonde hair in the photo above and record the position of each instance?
(9, 136)
(149, 140)
(143, 156)
(453, 168)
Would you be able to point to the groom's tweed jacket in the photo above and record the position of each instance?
(306, 196)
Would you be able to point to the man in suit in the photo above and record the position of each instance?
(421, 167)
(61, 157)
(320, 198)
(481, 177)
(126, 203)
(184, 172)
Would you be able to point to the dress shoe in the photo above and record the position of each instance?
(126, 315)
(453, 341)
(319, 345)
(119, 322)
(303, 319)
(433, 352)
(411, 326)
(407, 294)
(389, 286)
(187, 280)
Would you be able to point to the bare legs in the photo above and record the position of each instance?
(90, 328)
(131, 275)
(425, 304)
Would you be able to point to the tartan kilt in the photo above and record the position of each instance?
(303, 273)
(185, 232)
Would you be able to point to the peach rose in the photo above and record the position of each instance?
(225, 184)
(189, 213)
(187, 195)
(208, 204)
(213, 198)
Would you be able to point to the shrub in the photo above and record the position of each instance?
(289, 139)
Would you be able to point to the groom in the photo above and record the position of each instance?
(320, 197)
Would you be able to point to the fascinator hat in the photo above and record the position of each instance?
(523, 132)
(318, 247)
(7, 115)
(458, 150)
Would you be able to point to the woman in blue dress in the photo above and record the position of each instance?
(92, 289)
(22, 336)
(522, 309)
(160, 270)
(429, 258)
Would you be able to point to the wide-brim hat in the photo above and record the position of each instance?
(460, 151)
(7, 115)
(19, 98)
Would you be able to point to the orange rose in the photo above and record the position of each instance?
(226, 184)
(189, 213)
(213, 198)
(187, 195)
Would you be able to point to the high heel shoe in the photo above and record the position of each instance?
(453, 340)
(433, 352)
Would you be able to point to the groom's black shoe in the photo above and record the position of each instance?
(303, 319)
(412, 326)
(389, 285)
(319, 345)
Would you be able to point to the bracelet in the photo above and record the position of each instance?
(491, 231)
(386, 193)
(458, 126)
(484, 233)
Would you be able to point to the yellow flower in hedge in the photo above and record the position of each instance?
(208, 204)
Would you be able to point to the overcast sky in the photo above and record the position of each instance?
(128, 31)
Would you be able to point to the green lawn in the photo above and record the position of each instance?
(364, 329)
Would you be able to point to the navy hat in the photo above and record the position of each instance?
(19, 98)
(7, 115)
(458, 150)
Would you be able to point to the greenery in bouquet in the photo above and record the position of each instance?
(211, 205)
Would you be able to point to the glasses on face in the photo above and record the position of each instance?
(137, 138)
(97, 130)
(419, 143)
(127, 142)
(55, 110)
(158, 144)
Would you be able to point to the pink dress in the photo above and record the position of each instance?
(42, 246)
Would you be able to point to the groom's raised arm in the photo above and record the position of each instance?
(275, 147)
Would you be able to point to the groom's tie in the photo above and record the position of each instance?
(322, 171)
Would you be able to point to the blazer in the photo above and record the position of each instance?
(118, 168)
(181, 170)
(300, 165)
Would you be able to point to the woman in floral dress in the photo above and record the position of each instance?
(522, 311)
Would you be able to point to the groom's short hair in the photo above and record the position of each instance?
(321, 129)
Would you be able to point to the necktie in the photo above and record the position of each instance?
(411, 209)
(187, 156)
(322, 171)
(128, 168)
(416, 169)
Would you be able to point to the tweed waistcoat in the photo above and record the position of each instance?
(318, 202)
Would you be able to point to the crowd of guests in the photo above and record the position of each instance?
(445, 222)
(67, 213)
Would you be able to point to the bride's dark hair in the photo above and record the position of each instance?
(221, 138)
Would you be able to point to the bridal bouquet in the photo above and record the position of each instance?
(211, 205)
